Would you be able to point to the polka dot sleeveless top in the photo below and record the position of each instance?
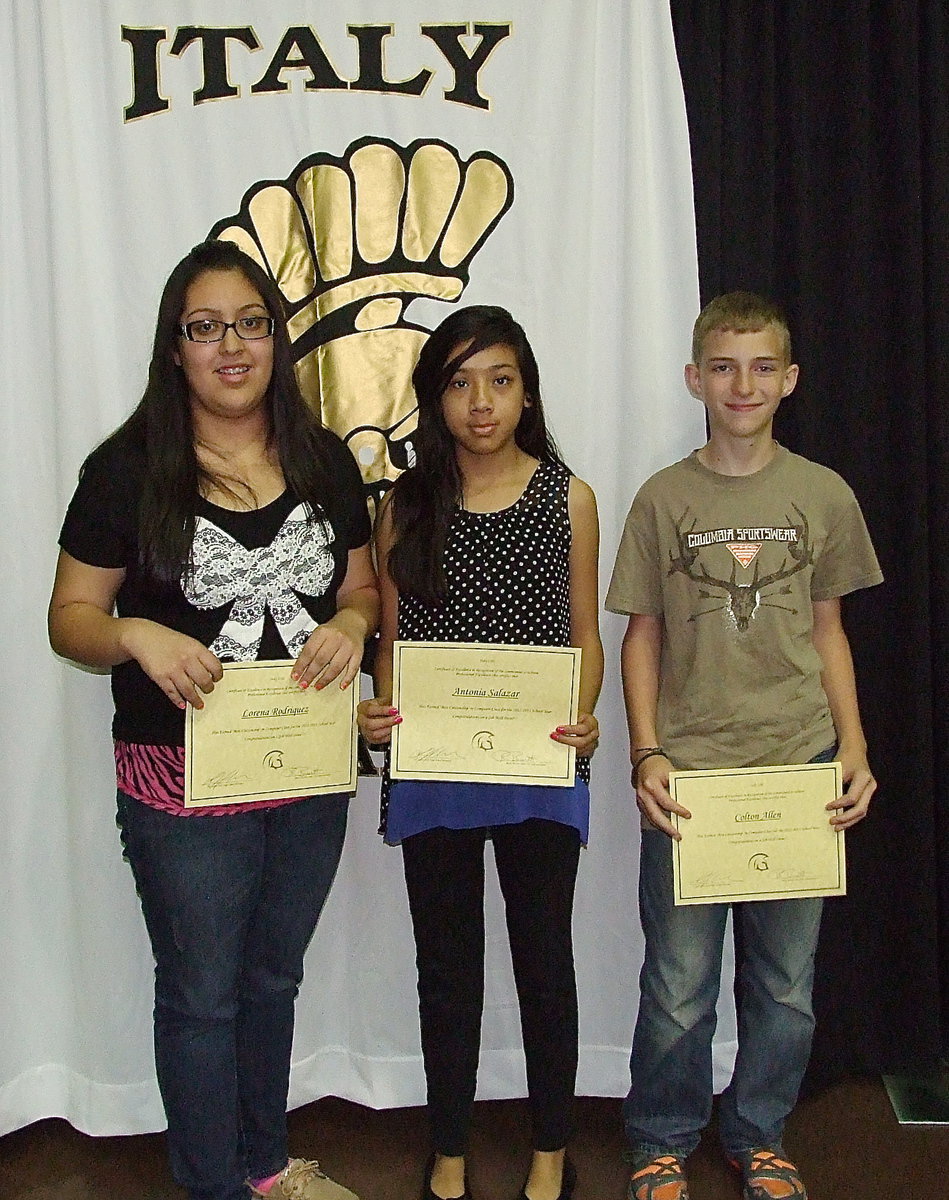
(508, 573)
(508, 577)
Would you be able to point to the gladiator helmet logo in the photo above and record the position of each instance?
(351, 241)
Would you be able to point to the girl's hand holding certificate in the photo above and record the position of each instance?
(376, 718)
(584, 736)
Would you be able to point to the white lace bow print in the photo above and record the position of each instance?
(298, 559)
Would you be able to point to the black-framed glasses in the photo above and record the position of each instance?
(249, 328)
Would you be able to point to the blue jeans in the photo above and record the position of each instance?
(230, 904)
(670, 1098)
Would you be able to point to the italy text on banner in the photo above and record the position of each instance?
(386, 161)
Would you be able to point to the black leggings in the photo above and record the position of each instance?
(537, 864)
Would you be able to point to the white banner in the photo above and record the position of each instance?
(385, 160)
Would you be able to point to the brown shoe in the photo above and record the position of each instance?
(304, 1179)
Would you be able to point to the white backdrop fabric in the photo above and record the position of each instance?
(595, 255)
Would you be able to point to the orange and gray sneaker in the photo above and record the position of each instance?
(767, 1175)
(662, 1178)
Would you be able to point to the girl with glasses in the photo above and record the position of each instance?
(220, 522)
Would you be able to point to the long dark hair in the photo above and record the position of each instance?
(424, 497)
(161, 426)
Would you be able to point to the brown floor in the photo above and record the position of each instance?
(846, 1141)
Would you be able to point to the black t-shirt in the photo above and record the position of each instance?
(261, 580)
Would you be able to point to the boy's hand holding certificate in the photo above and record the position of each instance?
(484, 713)
(757, 833)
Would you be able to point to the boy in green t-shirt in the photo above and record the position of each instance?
(731, 569)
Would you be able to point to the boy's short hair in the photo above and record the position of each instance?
(739, 312)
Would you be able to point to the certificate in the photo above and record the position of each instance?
(479, 713)
(260, 736)
(757, 833)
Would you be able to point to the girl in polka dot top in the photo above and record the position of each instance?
(489, 538)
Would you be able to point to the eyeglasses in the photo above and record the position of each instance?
(247, 328)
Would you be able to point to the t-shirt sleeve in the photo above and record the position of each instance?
(636, 585)
(848, 561)
(100, 523)
(351, 494)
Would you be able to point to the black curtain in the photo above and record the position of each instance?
(820, 148)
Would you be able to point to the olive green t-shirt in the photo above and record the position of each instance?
(733, 565)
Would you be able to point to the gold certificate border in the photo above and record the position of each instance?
(345, 782)
(563, 778)
(838, 887)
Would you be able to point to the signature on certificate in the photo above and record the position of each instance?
(436, 754)
(225, 779)
(712, 879)
(305, 772)
(790, 875)
(512, 759)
